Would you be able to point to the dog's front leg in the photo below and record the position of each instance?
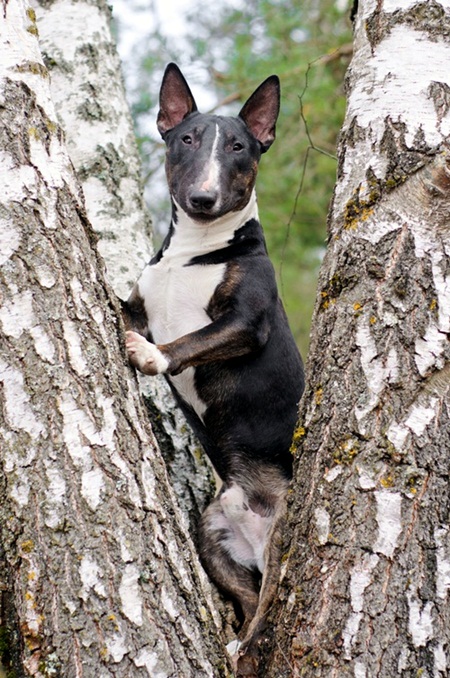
(227, 337)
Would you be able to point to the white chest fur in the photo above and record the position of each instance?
(176, 298)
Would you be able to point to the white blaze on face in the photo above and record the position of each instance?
(212, 168)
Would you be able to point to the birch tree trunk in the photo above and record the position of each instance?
(89, 98)
(98, 575)
(366, 575)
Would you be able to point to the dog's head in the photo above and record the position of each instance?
(212, 160)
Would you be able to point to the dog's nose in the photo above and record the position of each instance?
(203, 201)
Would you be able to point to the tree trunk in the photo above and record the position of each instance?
(88, 95)
(89, 98)
(367, 572)
(98, 574)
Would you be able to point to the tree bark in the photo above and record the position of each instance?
(366, 574)
(88, 94)
(89, 98)
(98, 572)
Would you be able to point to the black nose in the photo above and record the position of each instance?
(203, 201)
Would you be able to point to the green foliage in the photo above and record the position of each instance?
(307, 45)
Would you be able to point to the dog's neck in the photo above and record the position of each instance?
(193, 238)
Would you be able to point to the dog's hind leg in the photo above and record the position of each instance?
(249, 651)
(240, 537)
(228, 557)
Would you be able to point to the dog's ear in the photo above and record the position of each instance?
(260, 112)
(175, 100)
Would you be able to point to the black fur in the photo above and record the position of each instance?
(247, 369)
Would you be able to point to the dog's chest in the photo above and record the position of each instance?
(176, 297)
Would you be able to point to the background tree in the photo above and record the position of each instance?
(367, 564)
(98, 573)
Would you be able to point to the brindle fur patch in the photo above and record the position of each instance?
(134, 314)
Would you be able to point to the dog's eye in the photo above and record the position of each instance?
(237, 146)
(187, 139)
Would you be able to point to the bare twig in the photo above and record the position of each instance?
(230, 99)
(311, 147)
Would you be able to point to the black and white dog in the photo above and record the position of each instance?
(206, 313)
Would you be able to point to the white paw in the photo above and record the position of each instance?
(233, 647)
(143, 355)
(233, 503)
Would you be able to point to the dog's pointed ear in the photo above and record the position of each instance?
(175, 100)
(260, 112)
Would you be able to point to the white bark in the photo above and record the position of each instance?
(370, 597)
(88, 94)
(100, 575)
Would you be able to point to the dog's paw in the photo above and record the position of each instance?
(234, 503)
(143, 355)
(233, 646)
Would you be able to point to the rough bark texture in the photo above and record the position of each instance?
(99, 575)
(88, 93)
(366, 576)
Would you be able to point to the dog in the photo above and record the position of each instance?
(206, 314)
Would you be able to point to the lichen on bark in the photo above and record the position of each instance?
(363, 593)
